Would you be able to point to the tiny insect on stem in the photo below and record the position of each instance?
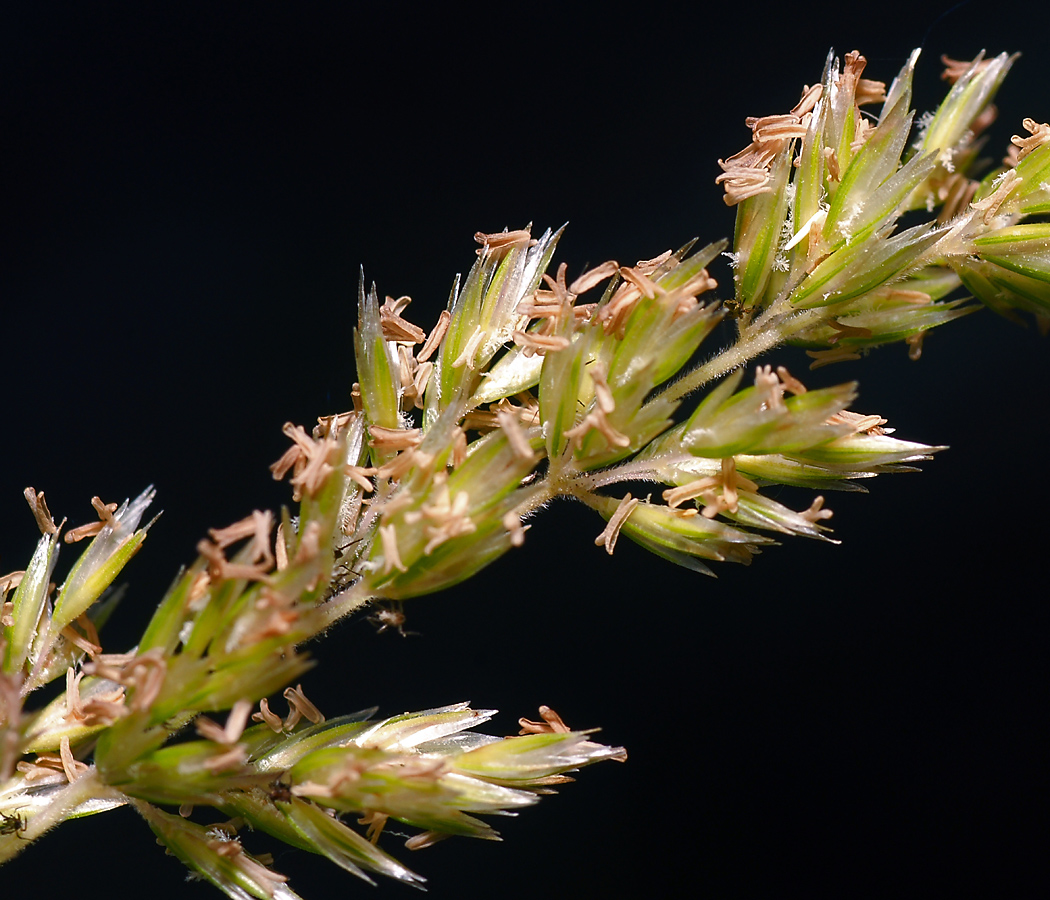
(12, 824)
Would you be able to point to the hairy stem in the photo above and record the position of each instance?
(336, 607)
(770, 330)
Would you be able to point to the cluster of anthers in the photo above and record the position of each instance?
(746, 174)
(214, 644)
(408, 487)
(519, 367)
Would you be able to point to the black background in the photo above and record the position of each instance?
(188, 194)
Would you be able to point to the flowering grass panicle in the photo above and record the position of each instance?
(532, 385)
